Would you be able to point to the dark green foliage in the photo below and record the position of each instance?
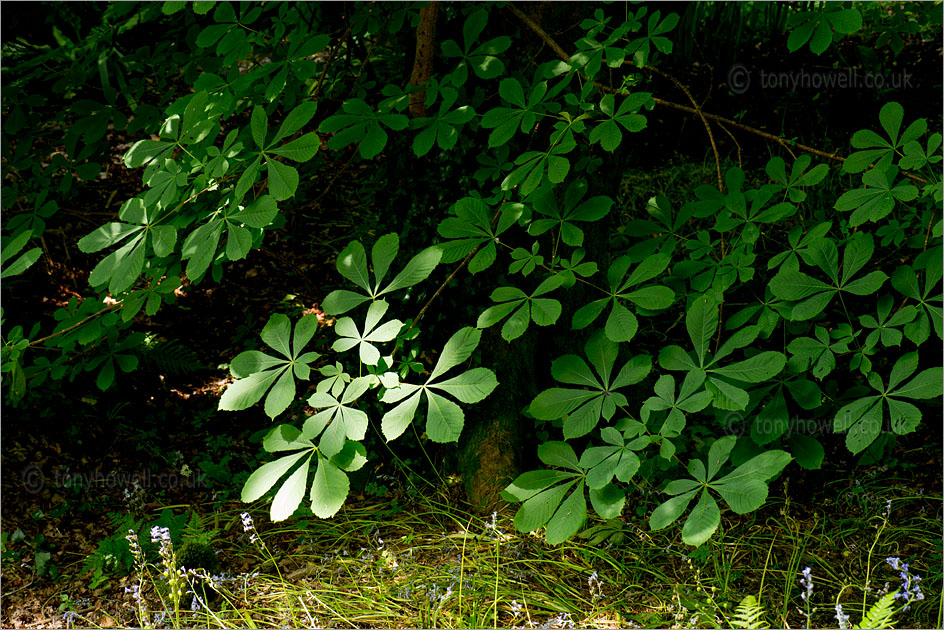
(776, 291)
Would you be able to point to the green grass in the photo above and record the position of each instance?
(433, 565)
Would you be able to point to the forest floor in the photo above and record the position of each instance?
(82, 465)
(414, 558)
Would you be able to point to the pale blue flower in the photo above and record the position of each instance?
(807, 583)
(841, 618)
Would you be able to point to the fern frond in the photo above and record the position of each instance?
(880, 614)
(171, 357)
(749, 614)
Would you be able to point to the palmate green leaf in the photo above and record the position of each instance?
(107, 235)
(689, 400)
(702, 322)
(469, 387)
(528, 484)
(296, 119)
(621, 324)
(563, 216)
(445, 419)
(443, 128)
(608, 133)
(289, 496)
(337, 419)
(505, 121)
(262, 480)
(257, 371)
(668, 512)
(143, 152)
(416, 270)
(285, 437)
(259, 213)
(878, 149)
(905, 281)
(702, 522)
(582, 409)
(814, 295)
(757, 369)
(129, 261)
(862, 418)
(472, 229)
(457, 350)
(329, 489)
(350, 337)
(608, 501)
(878, 198)
(300, 149)
(383, 253)
(22, 263)
(199, 248)
(568, 518)
(744, 489)
(807, 450)
(543, 494)
(524, 308)
(361, 124)
(557, 402)
(352, 264)
(725, 395)
(396, 421)
(248, 391)
(258, 125)
(283, 179)
(603, 462)
(538, 510)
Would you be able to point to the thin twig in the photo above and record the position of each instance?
(76, 325)
(538, 31)
(737, 144)
(700, 114)
(315, 93)
(443, 286)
